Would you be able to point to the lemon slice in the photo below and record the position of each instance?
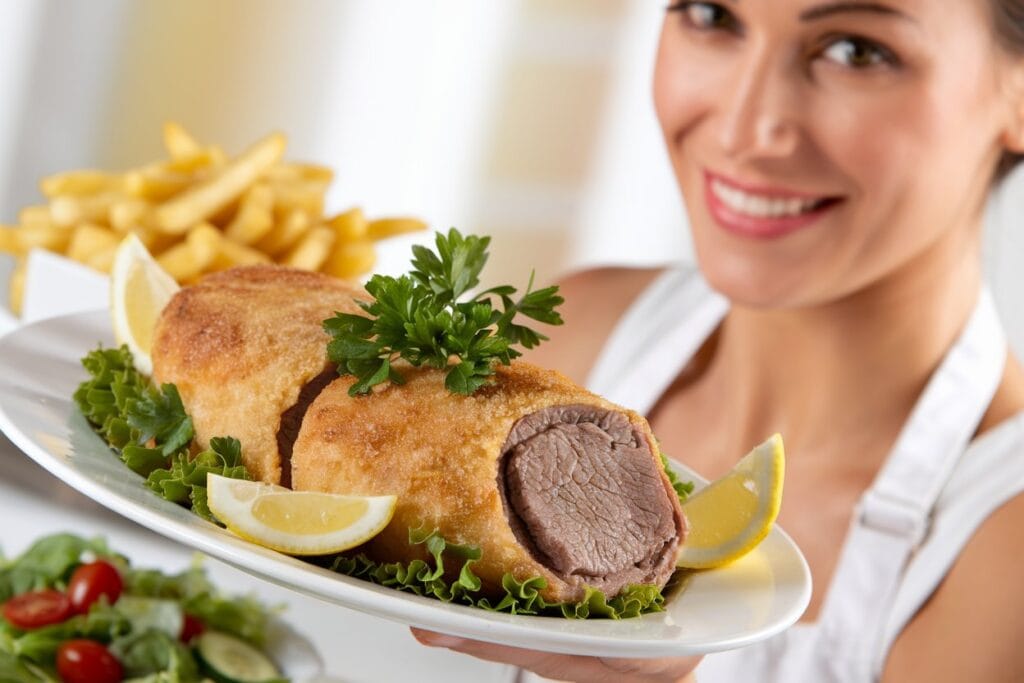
(730, 516)
(139, 290)
(297, 522)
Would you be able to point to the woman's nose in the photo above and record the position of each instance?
(758, 114)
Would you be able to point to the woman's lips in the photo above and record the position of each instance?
(762, 212)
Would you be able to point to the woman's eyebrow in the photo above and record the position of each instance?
(822, 11)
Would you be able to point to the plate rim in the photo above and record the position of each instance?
(364, 596)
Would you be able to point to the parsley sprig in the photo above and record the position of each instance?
(421, 319)
(145, 424)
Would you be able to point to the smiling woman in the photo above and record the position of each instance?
(833, 104)
(835, 159)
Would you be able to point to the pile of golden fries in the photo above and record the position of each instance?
(198, 212)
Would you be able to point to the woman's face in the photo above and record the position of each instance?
(821, 145)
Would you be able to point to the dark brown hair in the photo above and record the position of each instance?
(1008, 16)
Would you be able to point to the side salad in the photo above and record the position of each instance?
(73, 611)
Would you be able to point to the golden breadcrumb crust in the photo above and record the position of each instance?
(240, 345)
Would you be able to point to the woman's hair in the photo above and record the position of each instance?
(1008, 16)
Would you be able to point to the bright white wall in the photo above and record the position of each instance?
(631, 211)
(1004, 255)
(56, 92)
(20, 22)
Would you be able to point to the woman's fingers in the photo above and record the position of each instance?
(567, 667)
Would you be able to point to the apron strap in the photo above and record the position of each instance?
(893, 516)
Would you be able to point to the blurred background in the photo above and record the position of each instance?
(529, 120)
(525, 119)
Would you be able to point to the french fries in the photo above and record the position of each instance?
(16, 291)
(312, 251)
(188, 260)
(205, 198)
(178, 142)
(199, 211)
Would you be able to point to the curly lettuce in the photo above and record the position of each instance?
(683, 489)
(147, 426)
(521, 597)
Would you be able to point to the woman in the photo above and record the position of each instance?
(835, 158)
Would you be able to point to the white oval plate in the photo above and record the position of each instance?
(721, 609)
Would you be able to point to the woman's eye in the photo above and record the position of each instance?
(858, 53)
(705, 16)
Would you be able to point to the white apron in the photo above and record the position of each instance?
(909, 527)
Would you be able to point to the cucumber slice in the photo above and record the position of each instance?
(231, 660)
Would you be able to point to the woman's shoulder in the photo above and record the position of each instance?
(978, 609)
(1009, 397)
(983, 508)
(595, 300)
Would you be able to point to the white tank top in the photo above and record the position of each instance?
(908, 528)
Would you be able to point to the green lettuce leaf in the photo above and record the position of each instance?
(521, 597)
(683, 489)
(153, 652)
(184, 481)
(103, 623)
(242, 616)
(152, 614)
(47, 563)
(150, 430)
(14, 670)
(144, 424)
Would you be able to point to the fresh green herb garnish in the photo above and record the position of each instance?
(150, 430)
(420, 319)
(521, 597)
(683, 489)
(130, 413)
(184, 481)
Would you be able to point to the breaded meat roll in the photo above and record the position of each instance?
(545, 477)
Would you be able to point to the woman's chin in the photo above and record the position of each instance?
(753, 284)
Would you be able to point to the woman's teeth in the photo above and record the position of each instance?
(760, 206)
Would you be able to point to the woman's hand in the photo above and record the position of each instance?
(569, 667)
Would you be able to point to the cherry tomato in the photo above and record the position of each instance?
(190, 628)
(86, 661)
(92, 580)
(38, 608)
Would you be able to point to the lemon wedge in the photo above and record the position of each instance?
(139, 290)
(730, 516)
(297, 522)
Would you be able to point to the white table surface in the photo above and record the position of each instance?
(355, 647)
